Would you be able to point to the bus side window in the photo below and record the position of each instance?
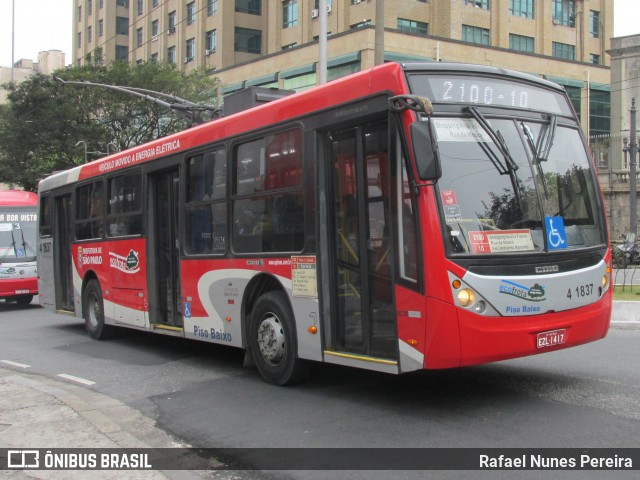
(89, 211)
(268, 205)
(206, 205)
(407, 231)
(124, 213)
(46, 216)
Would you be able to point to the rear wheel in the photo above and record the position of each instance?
(273, 341)
(93, 310)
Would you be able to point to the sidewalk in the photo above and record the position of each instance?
(39, 412)
(625, 313)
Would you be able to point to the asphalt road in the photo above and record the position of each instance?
(587, 396)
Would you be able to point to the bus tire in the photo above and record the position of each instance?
(272, 337)
(93, 311)
(24, 299)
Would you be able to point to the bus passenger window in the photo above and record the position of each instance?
(206, 205)
(46, 216)
(124, 215)
(268, 205)
(89, 211)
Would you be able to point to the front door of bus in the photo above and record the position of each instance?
(363, 311)
(164, 272)
(63, 267)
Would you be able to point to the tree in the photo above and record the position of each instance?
(45, 119)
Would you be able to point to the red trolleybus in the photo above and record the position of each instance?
(405, 217)
(18, 224)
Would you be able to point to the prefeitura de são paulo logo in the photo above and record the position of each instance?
(129, 264)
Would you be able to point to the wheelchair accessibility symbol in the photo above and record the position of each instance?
(556, 236)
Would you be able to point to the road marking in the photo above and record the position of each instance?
(15, 364)
(76, 379)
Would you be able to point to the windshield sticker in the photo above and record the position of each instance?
(452, 214)
(535, 293)
(501, 241)
(556, 235)
(460, 130)
(448, 197)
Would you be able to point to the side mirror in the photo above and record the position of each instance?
(425, 150)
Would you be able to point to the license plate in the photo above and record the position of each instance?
(549, 339)
(18, 292)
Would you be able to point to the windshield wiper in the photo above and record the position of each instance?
(536, 156)
(8, 250)
(25, 244)
(497, 138)
(510, 166)
(545, 140)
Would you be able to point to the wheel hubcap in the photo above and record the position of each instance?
(271, 339)
(94, 310)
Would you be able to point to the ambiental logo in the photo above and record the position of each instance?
(129, 264)
(535, 293)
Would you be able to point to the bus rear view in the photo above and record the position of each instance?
(18, 221)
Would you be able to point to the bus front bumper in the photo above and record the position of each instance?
(12, 287)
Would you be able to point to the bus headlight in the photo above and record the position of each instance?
(466, 297)
(605, 281)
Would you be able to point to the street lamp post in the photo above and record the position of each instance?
(13, 41)
(85, 149)
(115, 149)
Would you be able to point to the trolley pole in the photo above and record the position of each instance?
(633, 152)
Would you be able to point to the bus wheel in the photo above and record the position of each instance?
(273, 340)
(24, 299)
(93, 310)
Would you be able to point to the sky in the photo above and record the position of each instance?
(51, 29)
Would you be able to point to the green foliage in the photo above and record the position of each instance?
(44, 119)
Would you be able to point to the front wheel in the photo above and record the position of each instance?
(93, 310)
(24, 299)
(272, 337)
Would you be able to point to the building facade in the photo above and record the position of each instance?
(48, 62)
(613, 161)
(274, 43)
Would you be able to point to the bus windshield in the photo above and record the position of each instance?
(18, 234)
(511, 185)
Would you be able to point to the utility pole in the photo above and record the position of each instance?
(633, 208)
(379, 35)
(13, 40)
(322, 42)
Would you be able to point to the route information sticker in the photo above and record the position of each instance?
(501, 241)
(304, 276)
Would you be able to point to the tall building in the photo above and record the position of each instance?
(274, 43)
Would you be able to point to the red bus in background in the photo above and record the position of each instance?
(18, 226)
(405, 217)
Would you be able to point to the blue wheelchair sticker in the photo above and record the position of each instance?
(187, 310)
(556, 236)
